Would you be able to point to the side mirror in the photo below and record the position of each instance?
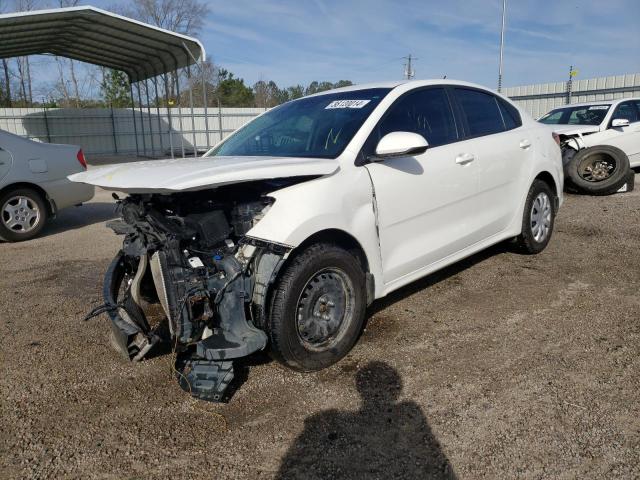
(400, 144)
(620, 122)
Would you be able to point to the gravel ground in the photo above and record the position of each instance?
(502, 366)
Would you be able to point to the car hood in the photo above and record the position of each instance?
(199, 173)
(574, 129)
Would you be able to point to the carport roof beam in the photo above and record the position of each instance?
(140, 50)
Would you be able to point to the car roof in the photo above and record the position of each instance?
(601, 102)
(405, 83)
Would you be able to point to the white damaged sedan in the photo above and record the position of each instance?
(281, 235)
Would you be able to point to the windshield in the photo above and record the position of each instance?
(582, 115)
(316, 127)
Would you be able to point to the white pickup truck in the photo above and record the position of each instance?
(600, 143)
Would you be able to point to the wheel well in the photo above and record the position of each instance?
(340, 238)
(547, 178)
(47, 201)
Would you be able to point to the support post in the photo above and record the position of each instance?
(113, 131)
(133, 111)
(206, 111)
(144, 140)
(220, 119)
(46, 123)
(166, 97)
(193, 120)
(179, 98)
(155, 85)
(153, 142)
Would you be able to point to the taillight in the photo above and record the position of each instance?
(81, 159)
(556, 137)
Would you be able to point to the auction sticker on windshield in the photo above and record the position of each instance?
(347, 104)
(599, 107)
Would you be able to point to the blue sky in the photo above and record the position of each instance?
(295, 42)
(300, 41)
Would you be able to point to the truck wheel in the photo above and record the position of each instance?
(538, 218)
(317, 308)
(599, 170)
(23, 214)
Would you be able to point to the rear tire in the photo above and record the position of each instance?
(599, 170)
(317, 308)
(23, 213)
(538, 218)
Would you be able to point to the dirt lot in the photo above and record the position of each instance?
(504, 366)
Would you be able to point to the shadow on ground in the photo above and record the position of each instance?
(437, 277)
(385, 438)
(78, 217)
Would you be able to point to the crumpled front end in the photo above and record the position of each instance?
(188, 277)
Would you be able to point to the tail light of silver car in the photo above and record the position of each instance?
(81, 159)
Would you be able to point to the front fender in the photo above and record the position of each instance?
(343, 201)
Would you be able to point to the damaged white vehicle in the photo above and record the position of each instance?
(281, 235)
(600, 143)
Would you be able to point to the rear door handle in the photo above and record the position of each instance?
(464, 158)
(524, 144)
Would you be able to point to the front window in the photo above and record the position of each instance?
(315, 127)
(581, 115)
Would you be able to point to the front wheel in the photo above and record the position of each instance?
(538, 218)
(317, 308)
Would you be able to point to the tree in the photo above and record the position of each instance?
(267, 94)
(5, 82)
(181, 16)
(115, 89)
(232, 92)
(295, 91)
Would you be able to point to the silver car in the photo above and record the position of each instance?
(34, 184)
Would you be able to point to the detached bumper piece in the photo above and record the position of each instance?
(130, 333)
(206, 314)
(204, 379)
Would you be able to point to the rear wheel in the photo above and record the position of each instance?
(538, 218)
(23, 214)
(317, 308)
(599, 170)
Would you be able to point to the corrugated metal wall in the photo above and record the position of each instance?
(111, 132)
(539, 99)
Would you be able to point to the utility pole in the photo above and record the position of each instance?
(572, 73)
(409, 72)
(504, 15)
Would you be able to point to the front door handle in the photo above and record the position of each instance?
(465, 158)
(524, 144)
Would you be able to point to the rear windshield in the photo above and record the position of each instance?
(583, 115)
(315, 127)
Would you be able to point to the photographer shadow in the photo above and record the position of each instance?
(386, 438)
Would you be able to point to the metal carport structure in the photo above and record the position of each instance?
(144, 52)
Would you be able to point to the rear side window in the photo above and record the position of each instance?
(426, 112)
(510, 114)
(481, 112)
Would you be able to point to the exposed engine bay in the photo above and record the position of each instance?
(189, 254)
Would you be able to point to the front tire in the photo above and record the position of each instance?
(538, 218)
(23, 214)
(317, 308)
